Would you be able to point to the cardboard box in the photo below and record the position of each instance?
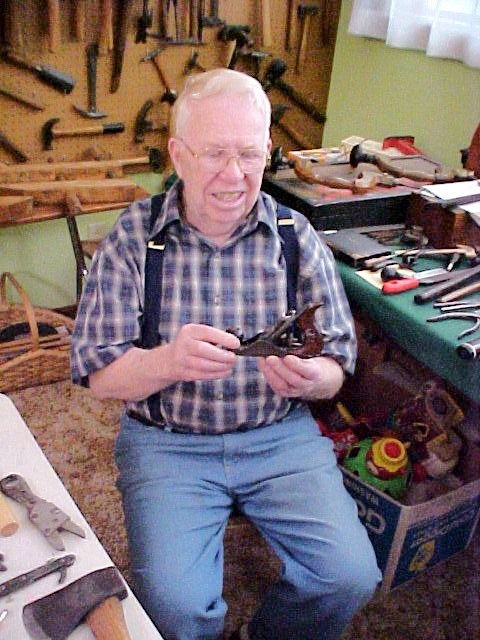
(409, 539)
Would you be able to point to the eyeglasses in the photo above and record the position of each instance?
(216, 159)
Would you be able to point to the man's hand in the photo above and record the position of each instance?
(311, 379)
(199, 352)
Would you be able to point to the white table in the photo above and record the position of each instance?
(27, 548)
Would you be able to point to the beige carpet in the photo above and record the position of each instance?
(77, 432)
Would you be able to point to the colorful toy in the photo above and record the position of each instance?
(381, 462)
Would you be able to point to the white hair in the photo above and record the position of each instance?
(218, 82)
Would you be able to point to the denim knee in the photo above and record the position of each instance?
(180, 610)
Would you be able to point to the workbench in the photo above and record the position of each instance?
(337, 208)
(27, 548)
(405, 322)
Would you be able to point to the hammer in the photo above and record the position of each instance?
(272, 78)
(277, 114)
(91, 112)
(239, 34)
(94, 598)
(169, 94)
(193, 63)
(143, 126)
(305, 13)
(48, 133)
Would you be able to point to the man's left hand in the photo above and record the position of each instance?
(311, 379)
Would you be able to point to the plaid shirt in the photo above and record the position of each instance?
(241, 285)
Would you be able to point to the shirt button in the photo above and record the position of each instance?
(219, 396)
(216, 300)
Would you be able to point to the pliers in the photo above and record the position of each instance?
(44, 515)
(281, 339)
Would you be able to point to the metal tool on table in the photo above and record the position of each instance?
(455, 282)
(29, 577)
(461, 292)
(469, 350)
(281, 339)
(94, 599)
(47, 517)
(91, 111)
(57, 79)
(459, 315)
(438, 174)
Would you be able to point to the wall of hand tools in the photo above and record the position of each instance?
(95, 79)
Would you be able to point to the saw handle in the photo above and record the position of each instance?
(107, 621)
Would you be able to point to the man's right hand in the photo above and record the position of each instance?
(200, 352)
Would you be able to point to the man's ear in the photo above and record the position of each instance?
(175, 155)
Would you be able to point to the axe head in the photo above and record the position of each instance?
(57, 615)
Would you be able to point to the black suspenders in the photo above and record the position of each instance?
(153, 279)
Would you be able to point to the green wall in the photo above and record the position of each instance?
(377, 91)
(40, 255)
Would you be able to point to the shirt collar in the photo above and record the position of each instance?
(171, 209)
(264, 212)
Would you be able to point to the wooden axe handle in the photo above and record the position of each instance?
(8, 523)
(107, 621)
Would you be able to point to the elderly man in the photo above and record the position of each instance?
(205, 430)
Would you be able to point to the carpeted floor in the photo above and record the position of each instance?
(77, 432)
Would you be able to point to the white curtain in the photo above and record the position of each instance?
(441, 28)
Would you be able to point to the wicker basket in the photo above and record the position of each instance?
(34, 359)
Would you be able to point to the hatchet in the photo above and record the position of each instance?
(94, 599)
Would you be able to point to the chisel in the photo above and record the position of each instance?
(446, 287)
(57, 79)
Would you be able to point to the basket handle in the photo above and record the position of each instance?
(26, 303)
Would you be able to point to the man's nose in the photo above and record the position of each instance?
(233, 166)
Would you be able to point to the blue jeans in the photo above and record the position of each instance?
(178, 491)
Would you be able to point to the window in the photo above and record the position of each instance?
(441, 28)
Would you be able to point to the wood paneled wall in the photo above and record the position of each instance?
(25, 31)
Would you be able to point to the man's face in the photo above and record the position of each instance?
(217, 201)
